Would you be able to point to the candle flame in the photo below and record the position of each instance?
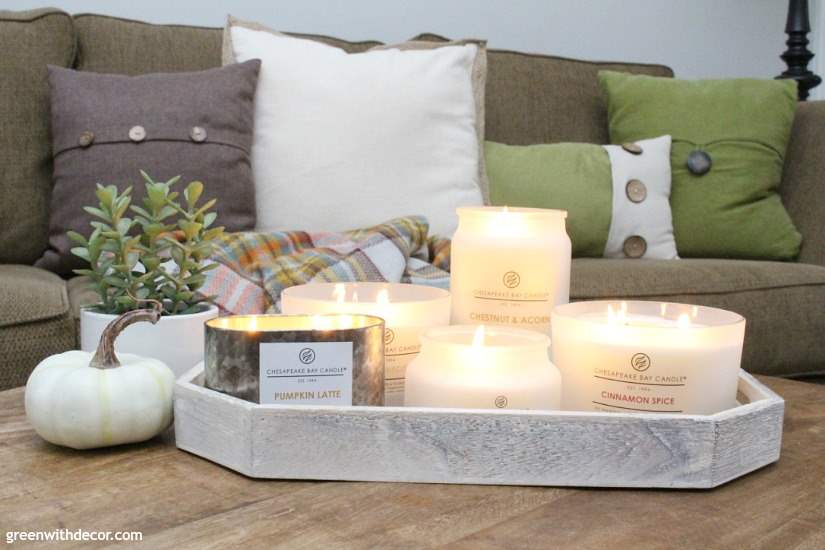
(508, 222)
(253, 324)
(663, 309)
(694, 312)
(340, 293)
(683, 321)
(318, 322)
(617, 318)
(383, 297)
(478, 337)
(332, 322)
(354, 296)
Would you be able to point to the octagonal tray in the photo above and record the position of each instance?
(480, 446)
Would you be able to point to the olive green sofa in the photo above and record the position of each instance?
(530, 99)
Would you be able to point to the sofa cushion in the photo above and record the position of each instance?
(28, 294)
(34, 321)
(802, 187)
(113, 45)
(782, 302)
(29, 41)
(81, 294)
(534, 98)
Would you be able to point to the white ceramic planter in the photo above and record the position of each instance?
(176, 340)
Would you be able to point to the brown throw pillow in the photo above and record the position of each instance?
(106, 128)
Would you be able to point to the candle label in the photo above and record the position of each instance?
(512, 296)
(306, 373)
(637, 390)
(637, 383)
(401, 346)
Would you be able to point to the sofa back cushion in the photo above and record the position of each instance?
(802, 190)
(531, 98)
(28, 41)
(534, 98)
(122, 46)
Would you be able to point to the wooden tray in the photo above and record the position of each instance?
(500, 447)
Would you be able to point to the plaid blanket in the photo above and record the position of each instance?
(255, 267)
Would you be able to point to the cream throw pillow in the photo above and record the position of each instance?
(351, 140)
(642, 223)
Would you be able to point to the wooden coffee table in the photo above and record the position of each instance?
(179, 500)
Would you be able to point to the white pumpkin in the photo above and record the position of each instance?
(83, 401)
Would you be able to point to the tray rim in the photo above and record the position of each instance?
(675, 451)
(760, 396)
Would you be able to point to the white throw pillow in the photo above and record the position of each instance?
(642, 224)
(344, 141)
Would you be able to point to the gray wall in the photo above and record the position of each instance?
(698, 38)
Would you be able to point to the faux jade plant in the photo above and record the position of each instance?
(156, 253)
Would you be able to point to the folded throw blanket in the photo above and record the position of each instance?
(255, 267)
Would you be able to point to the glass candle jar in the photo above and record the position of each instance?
(647, 356)
(297, 359)
(509, 266)
(480, 367)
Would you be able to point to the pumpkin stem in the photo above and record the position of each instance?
(105, 357)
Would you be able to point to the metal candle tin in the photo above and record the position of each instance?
(236, 347)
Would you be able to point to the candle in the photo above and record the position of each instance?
(509, 266)
(297, 359)
(647, 356)
(483, 367)
(407, 310)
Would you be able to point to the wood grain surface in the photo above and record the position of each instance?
(490, 446)
(178, 500)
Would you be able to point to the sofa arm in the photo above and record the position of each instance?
(803, 183)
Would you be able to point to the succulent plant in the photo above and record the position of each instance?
(157, 254)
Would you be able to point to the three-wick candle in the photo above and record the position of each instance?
(407, 310)
(647, 356)
(297, 359)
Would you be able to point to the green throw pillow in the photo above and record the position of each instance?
(733, 209)
(566, 176)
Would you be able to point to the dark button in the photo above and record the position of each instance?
(636, 191)
(198, 134)
(699, 162)
(635, 247)
(137, 133)
(86, 139)
(632, 148)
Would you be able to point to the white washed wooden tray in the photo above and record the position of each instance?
(501, 447)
